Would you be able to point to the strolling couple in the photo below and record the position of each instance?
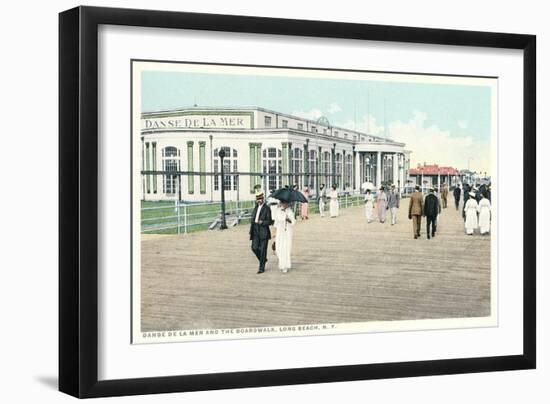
(283, 220)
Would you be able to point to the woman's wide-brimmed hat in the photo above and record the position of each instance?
(472, 194)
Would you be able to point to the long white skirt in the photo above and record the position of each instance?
(484, 220)
(471, 221)
(369, 206)
(283, 247)
(334, 206)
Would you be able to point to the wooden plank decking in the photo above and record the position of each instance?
(344, 270)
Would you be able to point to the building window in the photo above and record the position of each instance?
(335, 133)
(325, 130)
(314, 129)
(369, 167)
(170, 162)
(387, 168)
(348, 171)
(300, 126)
(267, 121)
(285, 123)
(272, 166)
(230, 182)
(298, 166)
(345, 135)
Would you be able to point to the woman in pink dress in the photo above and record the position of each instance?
(381, 205)
(304, 211)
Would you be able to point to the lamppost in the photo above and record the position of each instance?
(223, 226)
(399, 175)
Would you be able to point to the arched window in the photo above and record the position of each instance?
(298, 166)
(170, 162)
(387, 168)
(230, 164)
(272, 165)
(369, 172)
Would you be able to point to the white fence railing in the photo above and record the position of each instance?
(182, 217)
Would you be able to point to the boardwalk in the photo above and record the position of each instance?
(344, 270)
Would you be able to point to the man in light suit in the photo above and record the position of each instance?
(393, 204)
(259, 230)
(416, 208)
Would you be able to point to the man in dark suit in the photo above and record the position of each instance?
(259, 230)
(432, 208)
(456, 194)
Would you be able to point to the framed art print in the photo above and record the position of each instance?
(250, 201)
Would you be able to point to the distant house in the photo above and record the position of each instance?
(434, 175)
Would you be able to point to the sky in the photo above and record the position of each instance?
(443, 124)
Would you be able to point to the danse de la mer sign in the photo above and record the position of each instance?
(198, 122)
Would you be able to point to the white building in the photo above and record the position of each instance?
(285, 149)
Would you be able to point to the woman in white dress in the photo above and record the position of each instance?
(369, 205)
(333, 202)
(284, 221)
(484, 209)
(470, 209)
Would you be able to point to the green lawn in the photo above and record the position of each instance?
(163, 217)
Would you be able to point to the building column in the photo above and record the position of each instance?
(306, 164)
(285, 155)
(378, 170)
(333, 165)
(356, 178)
(395, 166)
(319, 168)
(290, 168)
(344, 168)
(154, 159)
(202, 166)
(402, 173)
(191, 178)
(255, 165)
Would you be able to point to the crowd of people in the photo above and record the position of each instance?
(282, 214)
(477, 208)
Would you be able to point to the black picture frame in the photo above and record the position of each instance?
(78, 196)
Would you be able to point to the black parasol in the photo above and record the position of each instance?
(288, 195)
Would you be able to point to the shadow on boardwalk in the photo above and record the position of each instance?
(344, 270)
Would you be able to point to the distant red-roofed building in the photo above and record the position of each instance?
(434, 175)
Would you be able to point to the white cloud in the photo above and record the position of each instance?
(334, 108)
(431, 144)
(311, 114)
(462, 124)
(365, 123)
